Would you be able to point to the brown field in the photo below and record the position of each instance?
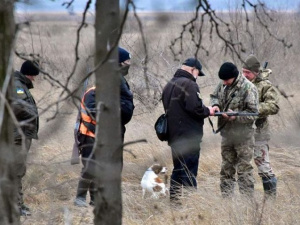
(50, 183)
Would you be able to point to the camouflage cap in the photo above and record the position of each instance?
(252, 63)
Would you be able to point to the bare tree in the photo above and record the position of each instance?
(108, 146)
(207, 23)
(8, 208)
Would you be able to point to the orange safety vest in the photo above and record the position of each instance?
(86, 118)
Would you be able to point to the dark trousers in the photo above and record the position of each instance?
(86, 182)
(185, 157)
(20, 167)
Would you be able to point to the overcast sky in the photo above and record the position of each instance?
(153, 5)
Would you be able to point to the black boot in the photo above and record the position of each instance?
(24, 210)
(83, 187)
(270, 184)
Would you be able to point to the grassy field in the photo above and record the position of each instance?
(50, 183)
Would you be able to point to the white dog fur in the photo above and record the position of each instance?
(152, 183)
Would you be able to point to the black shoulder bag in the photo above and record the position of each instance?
(161, 124)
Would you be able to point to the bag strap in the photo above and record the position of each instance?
(169, 100)
(219, 128)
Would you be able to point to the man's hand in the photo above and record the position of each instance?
(229, 118)
(212, 110)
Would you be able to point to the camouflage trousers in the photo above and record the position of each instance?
(20, 168)
(236, 159)
(262, 160)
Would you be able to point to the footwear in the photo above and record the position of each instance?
(24, 211)
(92, 203)
(270, 185)
(80, 202)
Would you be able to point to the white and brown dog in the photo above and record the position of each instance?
(152, 183)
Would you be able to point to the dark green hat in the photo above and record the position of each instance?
(252, 64)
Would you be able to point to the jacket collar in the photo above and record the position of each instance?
(23, 79)
(237, 82)
(183, 73)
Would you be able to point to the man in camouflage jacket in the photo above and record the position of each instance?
(26, 112)
(268, 105)
(235, 93)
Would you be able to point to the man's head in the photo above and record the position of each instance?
(124, 60)
(30, 69)
(193, 66)
(228, 73)
(124, 55)
(251, 67)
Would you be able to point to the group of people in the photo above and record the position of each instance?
(26, 113)
(242, 137)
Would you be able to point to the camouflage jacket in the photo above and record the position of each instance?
(24, 107)
(268, 104)
(241, 96)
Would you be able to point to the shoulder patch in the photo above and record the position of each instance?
(20, 91)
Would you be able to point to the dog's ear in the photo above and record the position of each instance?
(157, 168)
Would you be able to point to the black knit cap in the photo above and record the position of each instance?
(227, 71)
(193, 62)
(30, 68)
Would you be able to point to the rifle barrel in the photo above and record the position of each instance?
(235, 114)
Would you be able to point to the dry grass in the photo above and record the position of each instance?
(51, 182)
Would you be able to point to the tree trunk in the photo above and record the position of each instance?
(9, 213)
(108, 146)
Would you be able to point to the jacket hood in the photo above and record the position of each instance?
(263, 75)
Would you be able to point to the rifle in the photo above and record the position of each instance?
(265, 65)
(228, 114)
(236, 114)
